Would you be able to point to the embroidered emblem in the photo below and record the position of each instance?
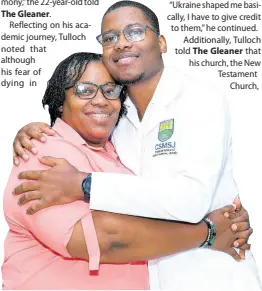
(166, 130)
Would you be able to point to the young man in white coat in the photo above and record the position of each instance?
(176, 138)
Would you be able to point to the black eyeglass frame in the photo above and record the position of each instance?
(144, 26)
(80, 95)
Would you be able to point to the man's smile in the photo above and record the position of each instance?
(125, 58)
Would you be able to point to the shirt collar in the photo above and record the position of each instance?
(67, 132)
(168, 89)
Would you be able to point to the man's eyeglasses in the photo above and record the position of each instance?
(88, 90)
(132, 32)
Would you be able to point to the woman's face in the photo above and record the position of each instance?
(93, 119)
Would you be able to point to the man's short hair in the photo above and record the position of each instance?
(148, 13)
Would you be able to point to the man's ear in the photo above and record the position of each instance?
(162, 43)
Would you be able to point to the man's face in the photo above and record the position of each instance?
(127, 61)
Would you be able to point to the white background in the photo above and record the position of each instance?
(21, 106)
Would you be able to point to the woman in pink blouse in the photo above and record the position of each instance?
(41, 250)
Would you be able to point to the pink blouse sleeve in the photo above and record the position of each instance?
(52, 226)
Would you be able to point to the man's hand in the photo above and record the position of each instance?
(233, 230)
(62, 184)
(25, 134)
(59, 185)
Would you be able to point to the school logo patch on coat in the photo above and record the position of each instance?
(166, 130)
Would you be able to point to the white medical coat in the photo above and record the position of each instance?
(181, 154)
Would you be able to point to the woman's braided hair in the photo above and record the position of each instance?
(66, 74)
